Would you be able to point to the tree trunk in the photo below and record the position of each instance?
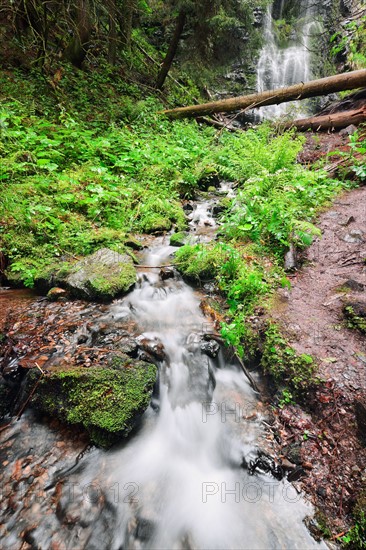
(172, 50)
(78, 47)
(112, 32)
(334, 121)
(323, 86)
(125, 23)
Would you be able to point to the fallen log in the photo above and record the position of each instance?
(314, 88)
(333, 121)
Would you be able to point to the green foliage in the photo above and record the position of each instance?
(355, 539)
(354, 321)
(276, 205)
(71, 186)
(352, 42)
(286, 399)
(282, 362)
(358, 152)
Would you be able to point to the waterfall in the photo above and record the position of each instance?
(280, 66)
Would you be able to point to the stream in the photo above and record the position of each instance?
(181, 481)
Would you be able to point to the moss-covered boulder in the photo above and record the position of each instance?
(179, 239)
(102, 275)
(107, 401)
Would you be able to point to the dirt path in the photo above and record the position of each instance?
(311, 315)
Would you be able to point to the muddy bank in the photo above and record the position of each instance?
(325, 433)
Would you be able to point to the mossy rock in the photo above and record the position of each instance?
(287, 368)
(179, 239)
(102, 275)
(199, 262)
(107, 401)
(157, 224)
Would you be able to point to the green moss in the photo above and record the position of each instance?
(179, 239)
(199, 261)
(282, 362)
(156, 223)
(106, 401)
(105, 287)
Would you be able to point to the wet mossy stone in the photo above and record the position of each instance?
(179, 239)
(107, 401)
(102, 275)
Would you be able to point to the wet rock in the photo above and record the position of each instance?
(210, 348)
(287, 465)
(265, 463)
(153, 347)
(360, 411)
(128, 346)
(144, 529)
(102, 275)
(179, 239)
(56, 293)
(166, 273)
(293, 453)
(134, 244)
(209, 180)
(188, 207)
(296, 474)
(354, 236)
(321, 491)
(291, 258)
(354, 285)
(349, 131)
(6, 398)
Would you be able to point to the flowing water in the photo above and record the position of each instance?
(281, 66)
(181, 481)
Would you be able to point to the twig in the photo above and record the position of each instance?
(154, 266)
(20, 413)
(334, 537)
(247, 374)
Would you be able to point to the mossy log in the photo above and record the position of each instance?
(333, 121)
(303, 90)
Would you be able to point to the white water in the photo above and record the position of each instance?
(280, 67)
(178, 484)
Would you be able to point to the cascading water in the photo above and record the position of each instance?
(182, 481)
(280, 66)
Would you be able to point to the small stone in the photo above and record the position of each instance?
(307, 465)
(349, 131)
(56, 293)
(354, 236)
(166, 273)
(296, 474)
(287, 464)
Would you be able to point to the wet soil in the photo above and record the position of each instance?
(322, 434)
